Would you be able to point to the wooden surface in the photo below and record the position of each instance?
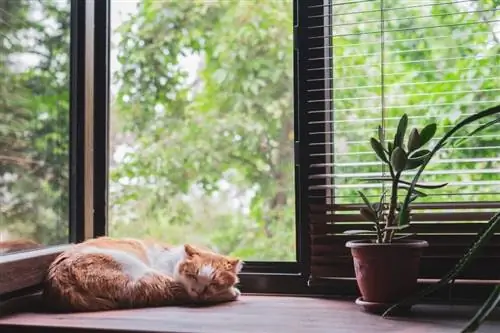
(259, 314)
(27, 268)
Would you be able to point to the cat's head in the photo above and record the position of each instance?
(206, 273)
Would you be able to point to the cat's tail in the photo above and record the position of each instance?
(96, 282)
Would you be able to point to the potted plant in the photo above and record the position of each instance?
(386, 266)
(482, 237)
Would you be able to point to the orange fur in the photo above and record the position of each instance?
(98, 275)
(17, 245)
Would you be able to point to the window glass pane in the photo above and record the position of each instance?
(34, 123)
(202, 125)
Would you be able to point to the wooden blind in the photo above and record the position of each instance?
(364, 63)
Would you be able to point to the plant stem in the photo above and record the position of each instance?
(392, 209)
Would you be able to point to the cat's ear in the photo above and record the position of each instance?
(190, 250)
(236, 264)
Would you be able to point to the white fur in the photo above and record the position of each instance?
(206, 270)
(131, 265)
(165, 261)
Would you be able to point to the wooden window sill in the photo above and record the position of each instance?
(251, 314)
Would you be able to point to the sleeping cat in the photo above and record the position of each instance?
(109, 273)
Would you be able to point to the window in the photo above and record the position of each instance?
(215, 132)
(202, 125)
(367, 62)
(34, 124)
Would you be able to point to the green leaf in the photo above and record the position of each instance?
(477, 130)
(390, 147)
(365, 199)
(417, 159)
(404, 217)
(413, 140)
(389, 179)
(404, 236)
(488, 306)
(415, 191)
(495, 110)
(400, 133)
(358, 232)
(397, 227)
(412, 163)
(427, 133)
(398, 159)
(368, 214)
(420, 154)
(482, 238)
(380, 131)
(378, 149)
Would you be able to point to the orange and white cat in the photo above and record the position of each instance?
(109, 273)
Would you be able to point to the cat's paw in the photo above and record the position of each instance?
(235, 293)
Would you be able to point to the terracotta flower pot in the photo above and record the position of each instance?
(385, 273)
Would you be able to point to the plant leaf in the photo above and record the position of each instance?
(482, 238)
(420, 154)
(378, 149)
(415, 191)
(396, 227)
(404, 217)
(404, 236)
(357, 232)
(417, 159)
(412, 163)
(488, 306)
(390, 147)
(380, 131)
(427, 133)
(400, 133)
(398, 159)
(369, 214)
(365, 199)
(477, 130)
(442, 142)
(413, 140)
(413, 198)
(389, 179)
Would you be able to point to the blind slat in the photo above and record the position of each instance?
(405, 29)
(388, 42)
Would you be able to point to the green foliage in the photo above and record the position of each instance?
(489, 305)
(215, 151)
(398, 160)
(34, 121)
(482, 238)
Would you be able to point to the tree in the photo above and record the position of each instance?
(34, 120)
(231, 126)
